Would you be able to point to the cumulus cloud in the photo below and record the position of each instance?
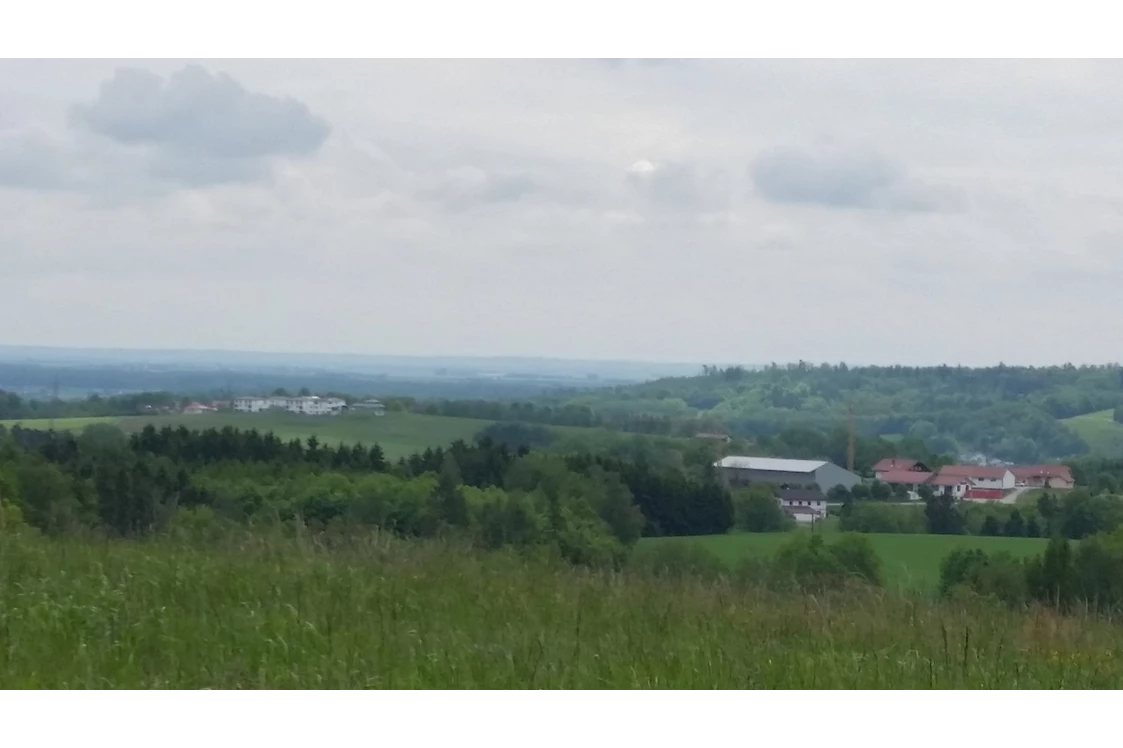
(838, 177)
(143, 134)
(677, 186)
(200, 127)
(470, 186)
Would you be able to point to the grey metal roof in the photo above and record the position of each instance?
(774, 464)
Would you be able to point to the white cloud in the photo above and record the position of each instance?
(702, 210)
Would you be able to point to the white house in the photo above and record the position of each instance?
(310, 405)
(371, 405)
(803, 505)
(982, 476)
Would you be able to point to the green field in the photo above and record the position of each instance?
(399, 434)
(909, 561)
(1100, 430)
(372, 612)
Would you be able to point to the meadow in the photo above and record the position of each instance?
(1100, 431)
(399, 434)
(910, 562)
(252, 611)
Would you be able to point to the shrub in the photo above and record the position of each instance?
(755, 509)
(811, 564)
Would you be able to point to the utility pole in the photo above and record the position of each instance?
(850, 442)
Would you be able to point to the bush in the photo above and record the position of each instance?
(1000, 576)
(755, 509)
(871, 517)
(811, 564)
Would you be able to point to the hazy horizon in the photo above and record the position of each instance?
(654, 211)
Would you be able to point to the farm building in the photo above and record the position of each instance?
(370, 406)
(896, 465)
(956, 485)
(739, 471)
(803, 504)
(1043, 476)
(311, 405)
(912, 480)
(981, 476)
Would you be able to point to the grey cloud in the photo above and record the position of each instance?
(467, 187)
(32, 161)
(842, 178)
(678, 186)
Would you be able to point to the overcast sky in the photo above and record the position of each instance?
(700, 211)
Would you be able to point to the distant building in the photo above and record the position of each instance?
(739, 471)
(898, 465)
(912, 480)
(195, 409)
(1043, 476)
(310, 405)
(803, 504)
(370, 406)
(981, 476)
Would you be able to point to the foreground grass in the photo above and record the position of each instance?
(909, 561)
(1100, 431)
(399, 434)
(277, 613)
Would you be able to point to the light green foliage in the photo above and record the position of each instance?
(874, 517)
(755, 509)
(372, 612)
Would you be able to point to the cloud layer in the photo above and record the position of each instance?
(675, 210)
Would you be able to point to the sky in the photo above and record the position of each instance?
(664, 210)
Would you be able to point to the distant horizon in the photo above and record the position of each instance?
(498, 357)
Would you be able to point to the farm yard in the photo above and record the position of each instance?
(910, 561)
(399, 434)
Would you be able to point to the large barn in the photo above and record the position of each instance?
(826, 475)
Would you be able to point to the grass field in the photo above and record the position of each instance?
(289, 613)
(399, 434)
(1100, 431)
(909, 561)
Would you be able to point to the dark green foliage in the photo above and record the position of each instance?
(1015, 525)
(880, 491)
(990, 526)
(679, 559)
(516, 435)
(942, 517)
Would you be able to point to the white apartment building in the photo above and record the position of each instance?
(310, 406)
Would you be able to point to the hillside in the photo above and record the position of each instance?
(1103, 434)
(1010, 413)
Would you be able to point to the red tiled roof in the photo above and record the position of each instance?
(942, 479)
(1022, 472)
(974, 471)
(893, 464)
(904, 476)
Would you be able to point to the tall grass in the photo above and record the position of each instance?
(374, 612)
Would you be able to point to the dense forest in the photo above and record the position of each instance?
(1003, 412)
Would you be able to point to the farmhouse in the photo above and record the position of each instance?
(311, 405)
(1043, 476)
(195, 409)
(981, 476)
(739, 471)
(956, 485)
(803, 504)
(912, 480)
(896, 465)
(372, 406)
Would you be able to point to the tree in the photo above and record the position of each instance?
(880, 491)
(1117, 414)
(1033, 530)
(942, 516)
(755, 509)
(860, 491)
(990, 526)
(1015, 525)
(838, 494)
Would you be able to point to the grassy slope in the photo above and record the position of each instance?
(399, 434)
(255, 613)
(909, 561)
(1100, 430)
